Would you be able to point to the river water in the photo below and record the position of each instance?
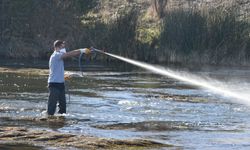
(135, 104)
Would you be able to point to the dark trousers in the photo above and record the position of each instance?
(56, 94)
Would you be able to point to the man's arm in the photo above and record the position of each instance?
(71, 54)
(76, 52)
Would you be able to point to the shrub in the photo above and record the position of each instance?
(218, 36)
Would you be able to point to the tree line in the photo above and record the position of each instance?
(215, 36)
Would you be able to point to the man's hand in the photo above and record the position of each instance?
(87, 51)
(67, 77)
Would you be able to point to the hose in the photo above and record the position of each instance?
(87, 60)
(80, 64)
(93, 50)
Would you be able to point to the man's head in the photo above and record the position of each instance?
(59, 44)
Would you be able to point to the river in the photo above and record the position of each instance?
(134, 104)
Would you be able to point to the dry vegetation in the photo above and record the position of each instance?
(185, 31)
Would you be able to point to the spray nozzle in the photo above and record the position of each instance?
(97, 50)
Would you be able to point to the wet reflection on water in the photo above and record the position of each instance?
(130, 105)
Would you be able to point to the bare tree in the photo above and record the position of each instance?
(160, 7)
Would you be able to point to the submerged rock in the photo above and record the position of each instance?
(150, 126)
(46, 138)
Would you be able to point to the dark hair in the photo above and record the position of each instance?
(58, 43)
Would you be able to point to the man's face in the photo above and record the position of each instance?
(62, 46)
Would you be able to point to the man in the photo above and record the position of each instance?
(56, 76)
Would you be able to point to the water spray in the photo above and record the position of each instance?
(210, 84)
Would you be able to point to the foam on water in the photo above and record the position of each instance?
(213, 85)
